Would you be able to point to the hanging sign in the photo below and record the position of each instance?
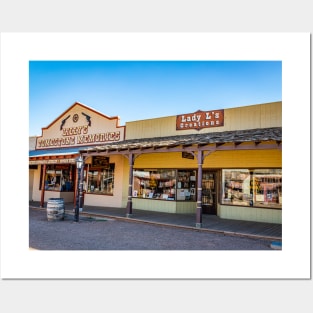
(200, 119)
(100, 161)
(187, 155)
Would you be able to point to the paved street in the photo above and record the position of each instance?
(112, 234)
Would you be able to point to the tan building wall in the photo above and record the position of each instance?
(31, 184)
(248, 117)
(36, 193)
(32, 142)
(120, 180)
(78, 126)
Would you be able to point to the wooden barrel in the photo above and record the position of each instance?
(55, 209)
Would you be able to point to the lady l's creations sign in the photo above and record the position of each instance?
(200, 119)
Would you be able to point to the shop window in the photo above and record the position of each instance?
(257, 187)
(267, 187)
(161, 184)
(101, 181)
(59, 177)
(154, 184)
(186, 185)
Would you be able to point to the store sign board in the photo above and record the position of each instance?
(80, 126)
(53, 161)
(187, 155)
(200, 119)
(101, 161)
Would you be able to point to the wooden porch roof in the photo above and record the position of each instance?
(260, 138)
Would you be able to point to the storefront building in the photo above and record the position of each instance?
(221, 162)
(52, 161)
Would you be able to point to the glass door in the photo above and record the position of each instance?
(209, 192)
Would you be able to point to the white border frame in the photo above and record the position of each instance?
(17, 261)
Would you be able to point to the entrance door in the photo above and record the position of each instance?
(209, 192)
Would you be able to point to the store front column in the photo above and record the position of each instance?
(43, 185)
(199, 190)
(81, 185)
(129, 208)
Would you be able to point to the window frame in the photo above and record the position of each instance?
(244, 193)
(99, 185)
(171, 188)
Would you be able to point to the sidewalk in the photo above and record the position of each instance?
(210, 223)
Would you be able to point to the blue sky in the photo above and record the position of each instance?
(136, 90)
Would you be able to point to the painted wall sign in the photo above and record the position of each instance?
(79, 140)
(53, 161)
(80, 126)
(200, 119)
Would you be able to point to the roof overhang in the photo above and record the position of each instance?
(54, 156)
(251, 139)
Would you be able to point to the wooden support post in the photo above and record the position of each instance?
(199, 191)
(81, 185)
(76, 189)
(43, 186)
(129, 208)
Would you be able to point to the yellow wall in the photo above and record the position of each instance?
(244, 159)
(247, 117)
(219, 159)
(164, 160)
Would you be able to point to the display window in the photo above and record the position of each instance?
(267, 187)
(100, 180)
(186, 185)
(164, 184)
(252, 187)
(59, 177)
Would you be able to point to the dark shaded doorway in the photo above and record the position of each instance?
(209, 192)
